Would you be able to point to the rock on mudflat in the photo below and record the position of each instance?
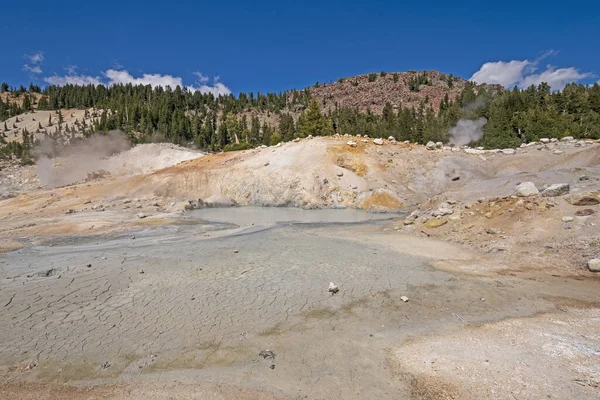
(584, 199)
(526, 189)
(558, 189)
(333, 288)
(594, 265)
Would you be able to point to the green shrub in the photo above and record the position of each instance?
(238, 146)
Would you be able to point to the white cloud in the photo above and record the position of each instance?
(502, 73)
(34, 62)
(73, 79)
(121, 76)
(523, 73)
(556, 78)
(202, 78)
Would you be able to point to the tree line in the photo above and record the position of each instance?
(235, 122)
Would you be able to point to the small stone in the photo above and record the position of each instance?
(333, 288)
(404, 298)
(351, 143)
(430, 145)
(594, 265)
(566, 139)
(584, 213)
(141, 271)
(267, 164)
(558, 189)
(141, 215)
(236, 251)
(435, 223)
(340, 174)
(526, 189)
(529, 206)
(105, 365)
(584, 199)
(272, 366)
(488, 215)
(509, 152)
(567, 219)
(584, 178)
(89, 265)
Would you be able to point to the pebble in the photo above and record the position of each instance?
(333, 288)
(404, 298)
(594, 265)
(567, 219)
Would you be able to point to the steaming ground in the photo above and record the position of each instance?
(109, 289)
(105, 153)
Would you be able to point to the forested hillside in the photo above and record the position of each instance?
(415, 106)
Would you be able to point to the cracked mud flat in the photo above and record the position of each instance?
(183, 310)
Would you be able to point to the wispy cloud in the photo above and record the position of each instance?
(114, 76)
(202, 78)
(524, 73)
(33, 62)
(72, 78)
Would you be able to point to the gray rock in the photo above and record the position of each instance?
(566, 139)
(526, 189)
(443, 209)
(430, 145)
(378, 141)
(558, 189)
(508, 151)
(567, 219)
(594, 265)
(141, 215)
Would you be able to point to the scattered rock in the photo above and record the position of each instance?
(567, 219)
(236, 251)
(430, 145)
(594, 265)
(566, 139)
(340, 174)
(545, 140)
(272, 366)
(89, 265)
(141, 215)
(404, 298)
(267, 164)
(105, 365)
(584, 178)
(378, 141)
(584, 213)
(435, 223)
(558, 189)
(351, 143)
(267, 354)
(455, 178)
(141, 271)
(509, 152)
(584, 199)
(526, 189)
(443, 209)
(333, 288)
(31, 366)
(559, 152)
(70, 211)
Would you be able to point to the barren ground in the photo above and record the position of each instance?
(100, 303)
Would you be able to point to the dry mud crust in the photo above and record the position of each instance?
(202, 310)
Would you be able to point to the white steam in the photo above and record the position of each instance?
(467, 131)
(74, 162)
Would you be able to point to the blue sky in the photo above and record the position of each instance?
(273, 45)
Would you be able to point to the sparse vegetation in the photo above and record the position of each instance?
(372, 77)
